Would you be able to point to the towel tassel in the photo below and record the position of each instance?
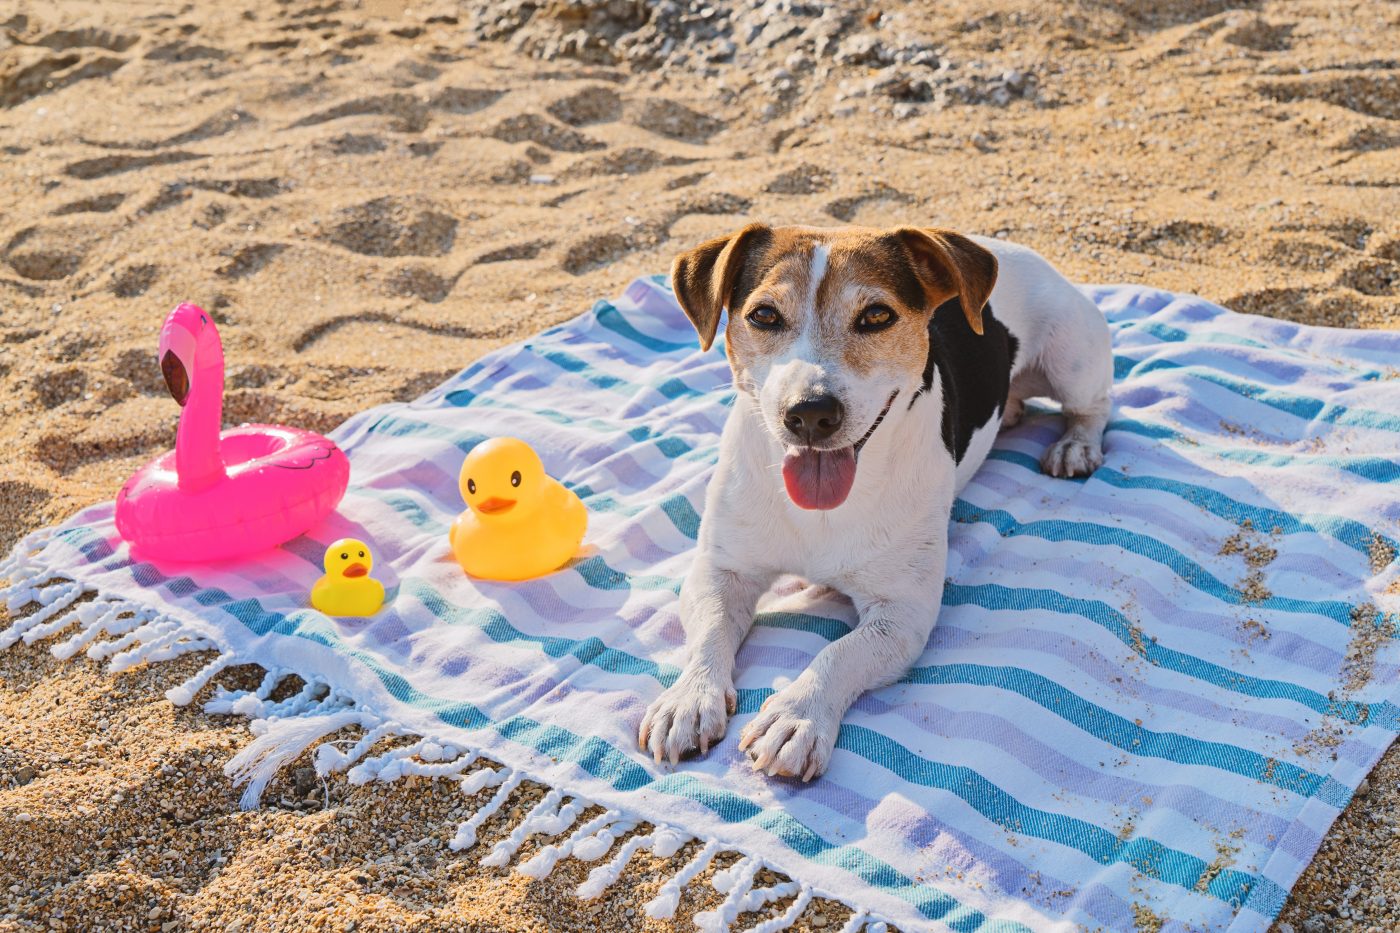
(736, 880)
(543, 861)
(281, 742)
(663, 905)
(664, 843)
(184, 694)
(788, 917)
(539, 815)
(466, 833)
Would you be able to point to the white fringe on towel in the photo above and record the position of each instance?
(129, 634)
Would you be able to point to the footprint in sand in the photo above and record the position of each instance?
(418, 282)
(464, 100)
(356, 144)
(133, 281)
(595, 252)
(534, 128)
(25, 499)
(59, 386)
(675, 121)
(47, 72)
(515, 251)
(631, 161)
(804, 179)
(180, 191)
(1258, 34)
(1388, 248)
(45, 255)
(115, 164)
(391, 226)
(101, 204)
(350, 339)
(845, 209)
(1177, 239)
(1363, 92)
(139, 367)
(250, 259)
(185, 52)
(409, 113)
(596, 104)
(1309, 253)
(1371, 276)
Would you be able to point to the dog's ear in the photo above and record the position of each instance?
(704, 278)
(950, 264)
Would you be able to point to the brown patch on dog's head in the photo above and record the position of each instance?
(949, 264)
(716, 275)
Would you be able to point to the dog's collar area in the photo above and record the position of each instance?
(876, 423)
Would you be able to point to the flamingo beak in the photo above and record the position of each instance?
(176, 352)
(177, 378)
(355, 570)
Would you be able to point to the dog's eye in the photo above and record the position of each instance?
(765, 318)
(875, 317)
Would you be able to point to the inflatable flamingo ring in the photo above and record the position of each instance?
(216, 495)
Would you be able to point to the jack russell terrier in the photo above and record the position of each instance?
(873, 374)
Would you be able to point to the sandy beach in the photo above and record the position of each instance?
(368, 196)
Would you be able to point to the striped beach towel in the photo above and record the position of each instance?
(1148, 696)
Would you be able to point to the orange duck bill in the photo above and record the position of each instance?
(355, 570)
(495, 506)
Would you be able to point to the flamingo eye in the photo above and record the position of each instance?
(471, 486)
(515, 478)
(344, 556)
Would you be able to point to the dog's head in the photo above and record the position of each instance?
(827, 328)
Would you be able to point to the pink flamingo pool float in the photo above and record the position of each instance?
(216, 495)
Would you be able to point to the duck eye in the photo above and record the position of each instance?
(765, 317)
(471, 486)
(875, 317)
(344, 556)
(362, 553)
(515, 478)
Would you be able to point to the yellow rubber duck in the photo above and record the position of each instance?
(347, 589)
(519, 523)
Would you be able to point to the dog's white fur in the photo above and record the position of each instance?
(886, 546)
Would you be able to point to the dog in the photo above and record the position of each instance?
(872, 371)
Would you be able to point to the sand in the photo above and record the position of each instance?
(368, 197)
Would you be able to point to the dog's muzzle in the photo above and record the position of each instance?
(818, 478)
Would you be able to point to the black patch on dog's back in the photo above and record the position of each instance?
(974, 371)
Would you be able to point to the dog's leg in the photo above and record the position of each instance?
(1014, 411)
(795, 731)
(717, 609)
(1077, 366)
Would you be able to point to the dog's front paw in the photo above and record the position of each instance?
(1072, 456)
(689, 716)
(792, 736)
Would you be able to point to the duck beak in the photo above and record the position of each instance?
(495, 506)
(355, 570)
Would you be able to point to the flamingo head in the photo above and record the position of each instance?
(187, 330)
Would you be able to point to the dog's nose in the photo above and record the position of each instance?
(815, 418)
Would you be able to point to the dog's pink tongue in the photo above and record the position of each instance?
(819, 479)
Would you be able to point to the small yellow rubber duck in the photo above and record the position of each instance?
(520, 523)
(347, 589)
